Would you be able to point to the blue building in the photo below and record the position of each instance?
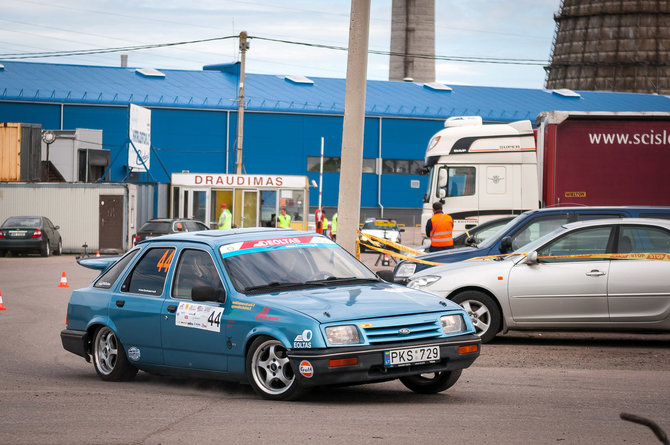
(194, 121)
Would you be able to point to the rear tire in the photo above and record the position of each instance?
(46, 248)
(109, 357)
(431, 383)
(483, 312)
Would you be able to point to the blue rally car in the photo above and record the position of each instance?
(280, 309)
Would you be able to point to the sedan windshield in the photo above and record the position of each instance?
(277, 269)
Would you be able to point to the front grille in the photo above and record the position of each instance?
(388, 330)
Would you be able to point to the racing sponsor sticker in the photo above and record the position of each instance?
(199, 316)
(303, 340)
(275, 243)
(263, 315)
(306, 369)
(242, 305)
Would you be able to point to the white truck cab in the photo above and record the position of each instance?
(481, 171)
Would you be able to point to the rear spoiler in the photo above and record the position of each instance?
(98, 263)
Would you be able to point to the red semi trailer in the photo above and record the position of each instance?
(599, 158)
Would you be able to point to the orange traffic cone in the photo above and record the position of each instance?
(63, 281)
(97, 253)
(385, 261)
(2, 306)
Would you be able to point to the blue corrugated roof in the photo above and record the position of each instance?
(217, 89)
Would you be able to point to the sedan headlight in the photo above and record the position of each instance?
(423, 281)
(452, 324)
(342, 335)
(405, 270)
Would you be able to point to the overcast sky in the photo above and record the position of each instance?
(507, 29)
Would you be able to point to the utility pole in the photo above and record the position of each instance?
(349, 201)
(244, 46)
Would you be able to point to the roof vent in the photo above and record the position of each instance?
(299, 79)
(566, 93)
(437, 86)
(149, 72)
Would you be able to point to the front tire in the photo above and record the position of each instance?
(269, 371)
(109, 357)
(431, 383)
(59, 248)
(483, 312)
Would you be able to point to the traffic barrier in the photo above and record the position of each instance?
(63, 281)
(2, 306)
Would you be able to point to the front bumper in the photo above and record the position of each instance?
(75, 342)
(370, 361)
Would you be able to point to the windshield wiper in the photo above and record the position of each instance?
(332, 280)
(273, 285)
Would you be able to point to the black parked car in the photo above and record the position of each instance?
(34, 234)
(163, 226)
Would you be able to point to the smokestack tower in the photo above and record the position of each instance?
(412, 34)
(611, 45)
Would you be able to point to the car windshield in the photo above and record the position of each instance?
(272, 269)
(534, 245)
(379, 225)
(491, 239)
(30, 223)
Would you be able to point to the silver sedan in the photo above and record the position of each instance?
(606, 274)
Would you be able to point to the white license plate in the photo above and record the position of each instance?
(17, 233)
(397, 357)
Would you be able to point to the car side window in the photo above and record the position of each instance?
(108, 278)
(148, 275)
(537, 229)
(643, 239)
(195, 268)
(581, 242)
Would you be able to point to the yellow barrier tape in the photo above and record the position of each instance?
(397, 255)
(390, 243)
(615, 256)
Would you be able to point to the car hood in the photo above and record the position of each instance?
(489, 265)
(328, 304)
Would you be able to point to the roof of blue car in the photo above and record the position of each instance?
(216, 88)
(228, 236)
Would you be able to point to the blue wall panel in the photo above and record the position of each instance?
(407, 138)
(47, 115)
(189, 140)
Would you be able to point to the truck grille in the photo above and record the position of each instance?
(401, 329)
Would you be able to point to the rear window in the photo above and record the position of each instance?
(31, 223)
(156, 227)
(655, 215)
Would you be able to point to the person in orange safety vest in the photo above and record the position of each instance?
(439, 229)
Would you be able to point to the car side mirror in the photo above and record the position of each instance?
(506, 244)
(207, 293)
(470, 241)
(531, 258)
(386, 275)
(401, 230)
(442, 193)
(57, 227)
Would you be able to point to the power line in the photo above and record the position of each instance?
(468, 59)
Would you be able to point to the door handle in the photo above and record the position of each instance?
(595, 273)
(172, 308)
(120, 303)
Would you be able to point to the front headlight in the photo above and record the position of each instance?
(452, 324)
(405, 270)
(423, 281)
(342, 335)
